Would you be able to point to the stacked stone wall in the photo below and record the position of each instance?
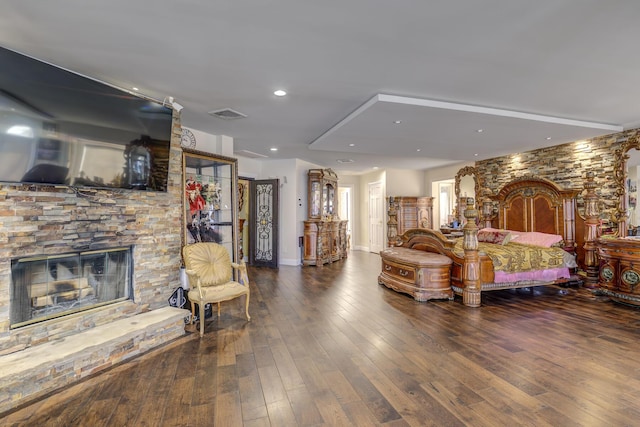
(565, 164)
(47, 220)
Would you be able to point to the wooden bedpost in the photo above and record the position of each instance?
(471, 268)
(487, 209)
(392, 223)
(592, 220)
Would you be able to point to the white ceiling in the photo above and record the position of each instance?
(523, 70)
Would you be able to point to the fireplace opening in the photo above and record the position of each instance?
(46, 287)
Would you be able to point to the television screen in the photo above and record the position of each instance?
(57, 127)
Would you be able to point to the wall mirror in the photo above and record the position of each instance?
(210, 199)
(625, 171)
(466, 185)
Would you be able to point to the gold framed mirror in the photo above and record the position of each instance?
(467, 184)
(625, 176)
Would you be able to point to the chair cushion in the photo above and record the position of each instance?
(211, 262)
(224, 292)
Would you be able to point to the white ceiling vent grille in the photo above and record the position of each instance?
(227, 114)
(343, 161)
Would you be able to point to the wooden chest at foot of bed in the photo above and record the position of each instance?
(423, 275)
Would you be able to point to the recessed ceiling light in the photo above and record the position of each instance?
(352, 145)
(274, 149)
(375, 167)
(476, 154)
(397, 122)
(480, 130)
(280, 92)
(418, 149)
(135, 88)
(548, 138)
(21, 130)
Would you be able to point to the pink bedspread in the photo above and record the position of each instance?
(547, 275)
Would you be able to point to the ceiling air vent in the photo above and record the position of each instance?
(227, 114)
(343, 161)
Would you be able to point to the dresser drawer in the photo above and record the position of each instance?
(399, 271)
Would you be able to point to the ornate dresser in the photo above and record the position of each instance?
(619, 276)
(408, 212)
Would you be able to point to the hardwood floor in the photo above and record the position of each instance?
(332, 347)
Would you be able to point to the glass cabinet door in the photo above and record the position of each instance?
(314, 199)
(322, 202)
(210, 206)
(330, 197)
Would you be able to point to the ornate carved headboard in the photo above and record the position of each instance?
(537, 204)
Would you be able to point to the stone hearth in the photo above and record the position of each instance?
(31, 373)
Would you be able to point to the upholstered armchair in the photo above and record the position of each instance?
(210, 271)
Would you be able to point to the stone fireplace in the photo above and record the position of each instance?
(78, 261)
(47, 287)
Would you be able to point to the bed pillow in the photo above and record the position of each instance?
(492, 235)
(535, 238)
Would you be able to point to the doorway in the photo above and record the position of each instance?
(263, 223)
(444, 203)
(376, 217)
(346, 209)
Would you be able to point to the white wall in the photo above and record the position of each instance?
(407, 183)
(214, 144)
(249, 168)
(441, 174)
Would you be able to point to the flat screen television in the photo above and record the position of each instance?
(58, 127)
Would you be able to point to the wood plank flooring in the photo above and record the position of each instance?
(331, 347)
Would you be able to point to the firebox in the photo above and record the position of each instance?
(46, 287)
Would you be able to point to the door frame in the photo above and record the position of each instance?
(349, 188)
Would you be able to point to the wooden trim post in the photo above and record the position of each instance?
(592, 220)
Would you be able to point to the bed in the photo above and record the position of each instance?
(526, 206)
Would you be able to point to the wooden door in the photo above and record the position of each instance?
(263, 223)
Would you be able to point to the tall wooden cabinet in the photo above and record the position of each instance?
(408, 212)
(325, 235)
